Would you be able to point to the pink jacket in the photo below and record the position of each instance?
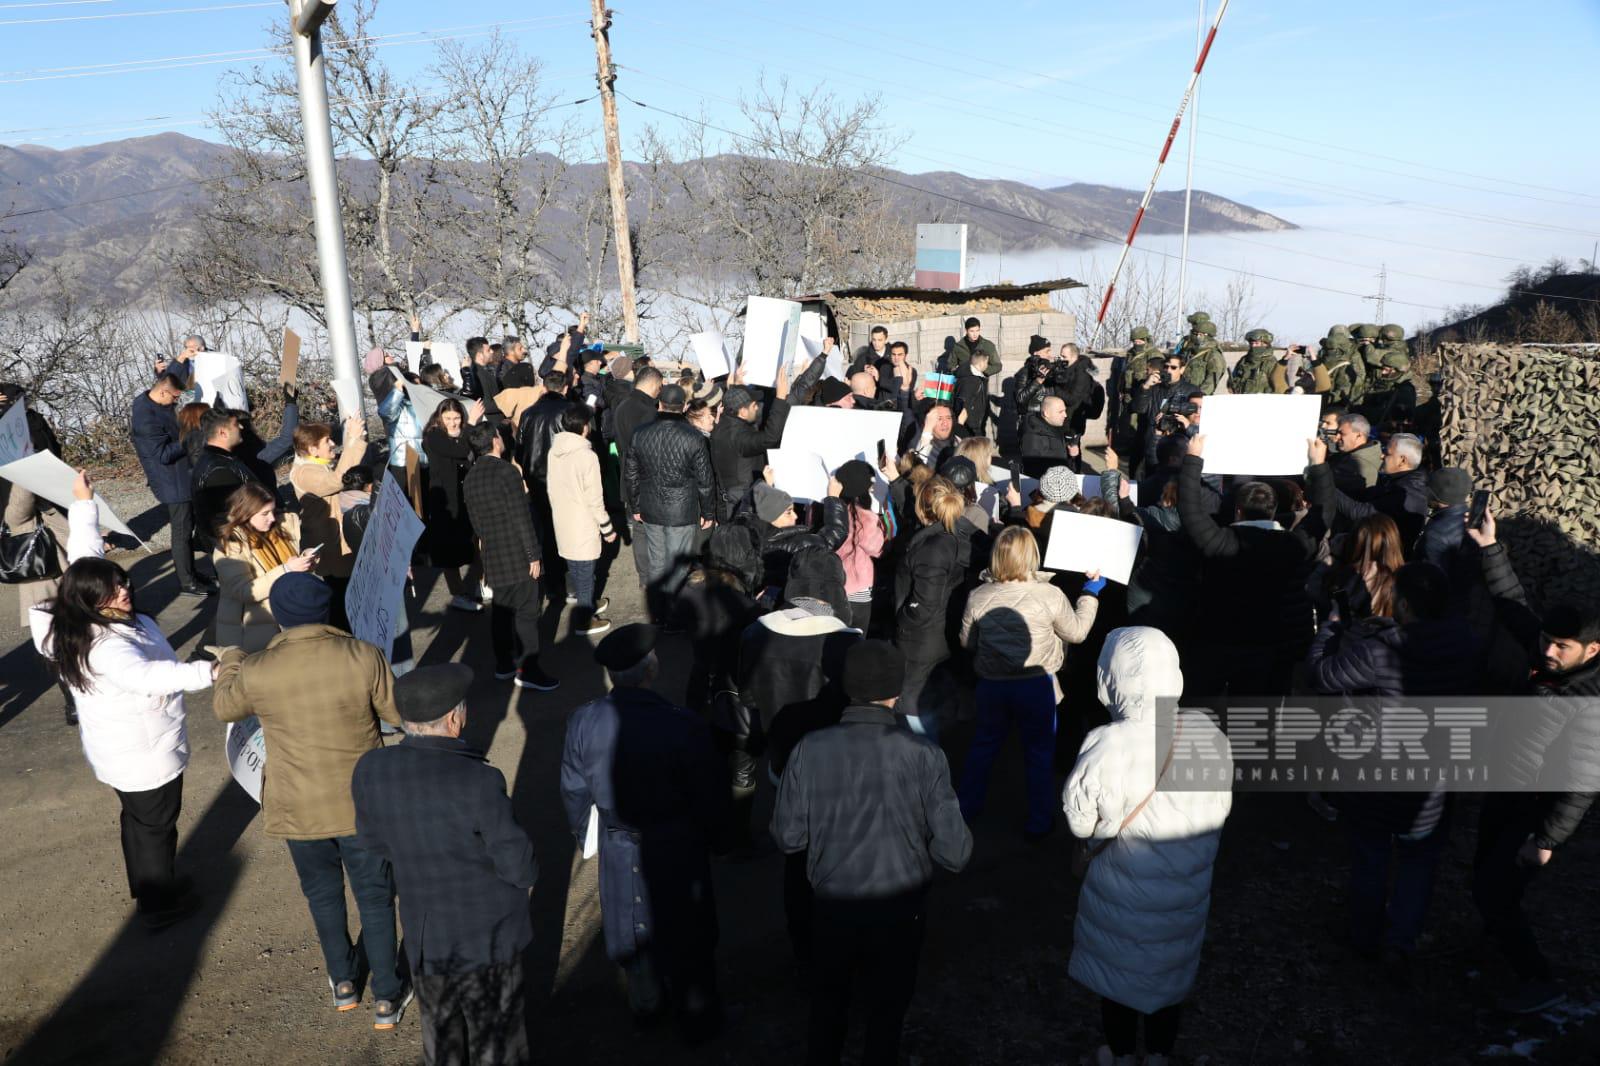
(864, 544)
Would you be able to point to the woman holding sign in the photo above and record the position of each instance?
(1017, 625)
(129, 686)
(255, 547)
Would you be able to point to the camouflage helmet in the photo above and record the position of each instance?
(1198, 317)
(1207, 328)
(1392, 332)
(1140, 333)
(1366, 331)
(1397, 359)
(1339, 332)
(1259, 335)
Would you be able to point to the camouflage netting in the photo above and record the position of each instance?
(1525, 421)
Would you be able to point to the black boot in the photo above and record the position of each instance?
(72, 704)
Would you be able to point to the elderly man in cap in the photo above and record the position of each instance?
(648, 770)
(870, 803)
(673, 492)
(320, 695)
(434, 808)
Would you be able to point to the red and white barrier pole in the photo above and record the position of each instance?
(1161, 161)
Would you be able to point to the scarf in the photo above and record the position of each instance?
(273, 549)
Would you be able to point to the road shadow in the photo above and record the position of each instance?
(124, 1008)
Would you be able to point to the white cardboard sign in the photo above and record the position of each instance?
(220, 377)
(246, 749)
(1262, 435)
(771, 338)
(377, 584)
(15, 440)
(425, 400)
(1083, 543)
(801, 473)
(443, 353)
(711, 352)
(44, 475)
(839, 435)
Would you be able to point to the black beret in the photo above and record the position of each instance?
(626, 648)
(873, 670)
(428, 693)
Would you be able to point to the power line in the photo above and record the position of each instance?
(55, 3)
(136, 14)
(1364, 150)
(698, 39)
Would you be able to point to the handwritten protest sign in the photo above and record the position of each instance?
(245, 747)
(15, 440)
(711, 352)
(376, 593)
(771, 338)
(1263, 435)
(289, 368)
(1082, 543)
(441, 353)
(48, 477)
(220, 377)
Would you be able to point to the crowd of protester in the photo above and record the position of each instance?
(830, 644)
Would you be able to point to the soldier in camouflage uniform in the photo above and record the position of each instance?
(1391, 396)
(1207, 368)
(1140, 349)
(1366, 336)
(1347, 376)
(1253, 372)
(1193, 341)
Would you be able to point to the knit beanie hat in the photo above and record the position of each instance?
(373, 360)
(855, 478)
(1059, 484)
(770, 503)
(300, 599)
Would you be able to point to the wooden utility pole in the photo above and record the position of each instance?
(619, 194)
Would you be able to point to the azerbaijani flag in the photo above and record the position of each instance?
(939, 386)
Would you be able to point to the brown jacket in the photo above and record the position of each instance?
(244, 619)
(318, 487)
(319, 693)
(1018, 629)
(513, 402)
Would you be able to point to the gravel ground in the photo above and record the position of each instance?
(241, 981)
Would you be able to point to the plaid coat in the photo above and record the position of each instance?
(439, 813)
(497, 504)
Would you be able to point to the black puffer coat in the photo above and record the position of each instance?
(668, 473)
(929, 574)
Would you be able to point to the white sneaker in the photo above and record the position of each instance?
(461, 603)
(486, 594)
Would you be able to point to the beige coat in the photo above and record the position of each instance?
(244, 619)
(319, 693)
(576, 505)
(1018, 629)
(318, 487)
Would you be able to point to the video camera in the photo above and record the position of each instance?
(1167, 422)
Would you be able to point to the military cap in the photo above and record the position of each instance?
(1392, 332)
(428, 693)
(1339, 330)
(627, 647)
(1259, 335)
(1140, 333)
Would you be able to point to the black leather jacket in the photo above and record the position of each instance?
(538, 429)
(668, 473)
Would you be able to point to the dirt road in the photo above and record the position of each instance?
(241, 981)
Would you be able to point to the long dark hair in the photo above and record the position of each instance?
(437, 421)
(75, 615)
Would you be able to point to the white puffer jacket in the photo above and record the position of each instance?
(130, 718)
(1142, 911)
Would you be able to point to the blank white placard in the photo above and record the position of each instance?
(1083, 543)
(1260, 435)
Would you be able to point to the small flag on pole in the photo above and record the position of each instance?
(939, 386)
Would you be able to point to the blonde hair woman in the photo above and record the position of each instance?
(255, 547)
(929, 573)
(1017, 625)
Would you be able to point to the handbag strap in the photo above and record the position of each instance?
(1166, 765)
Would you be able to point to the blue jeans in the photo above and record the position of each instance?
(322, 866)
(668, 552)
(1416, 862)
(1029, 703)
(580, 582)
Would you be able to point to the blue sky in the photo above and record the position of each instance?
(1449, 109)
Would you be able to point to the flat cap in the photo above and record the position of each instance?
(737, 398)
(1449, 486)
(627, 647)
(428, 693)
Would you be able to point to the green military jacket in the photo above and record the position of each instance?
(1253, 373)
(1207, 369)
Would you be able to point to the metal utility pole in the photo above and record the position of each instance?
(1383, 289)
(1188, 177)
(305, 23)
(607, 73)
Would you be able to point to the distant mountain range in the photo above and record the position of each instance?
(108, 214)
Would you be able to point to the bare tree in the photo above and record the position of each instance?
(1146, 296)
